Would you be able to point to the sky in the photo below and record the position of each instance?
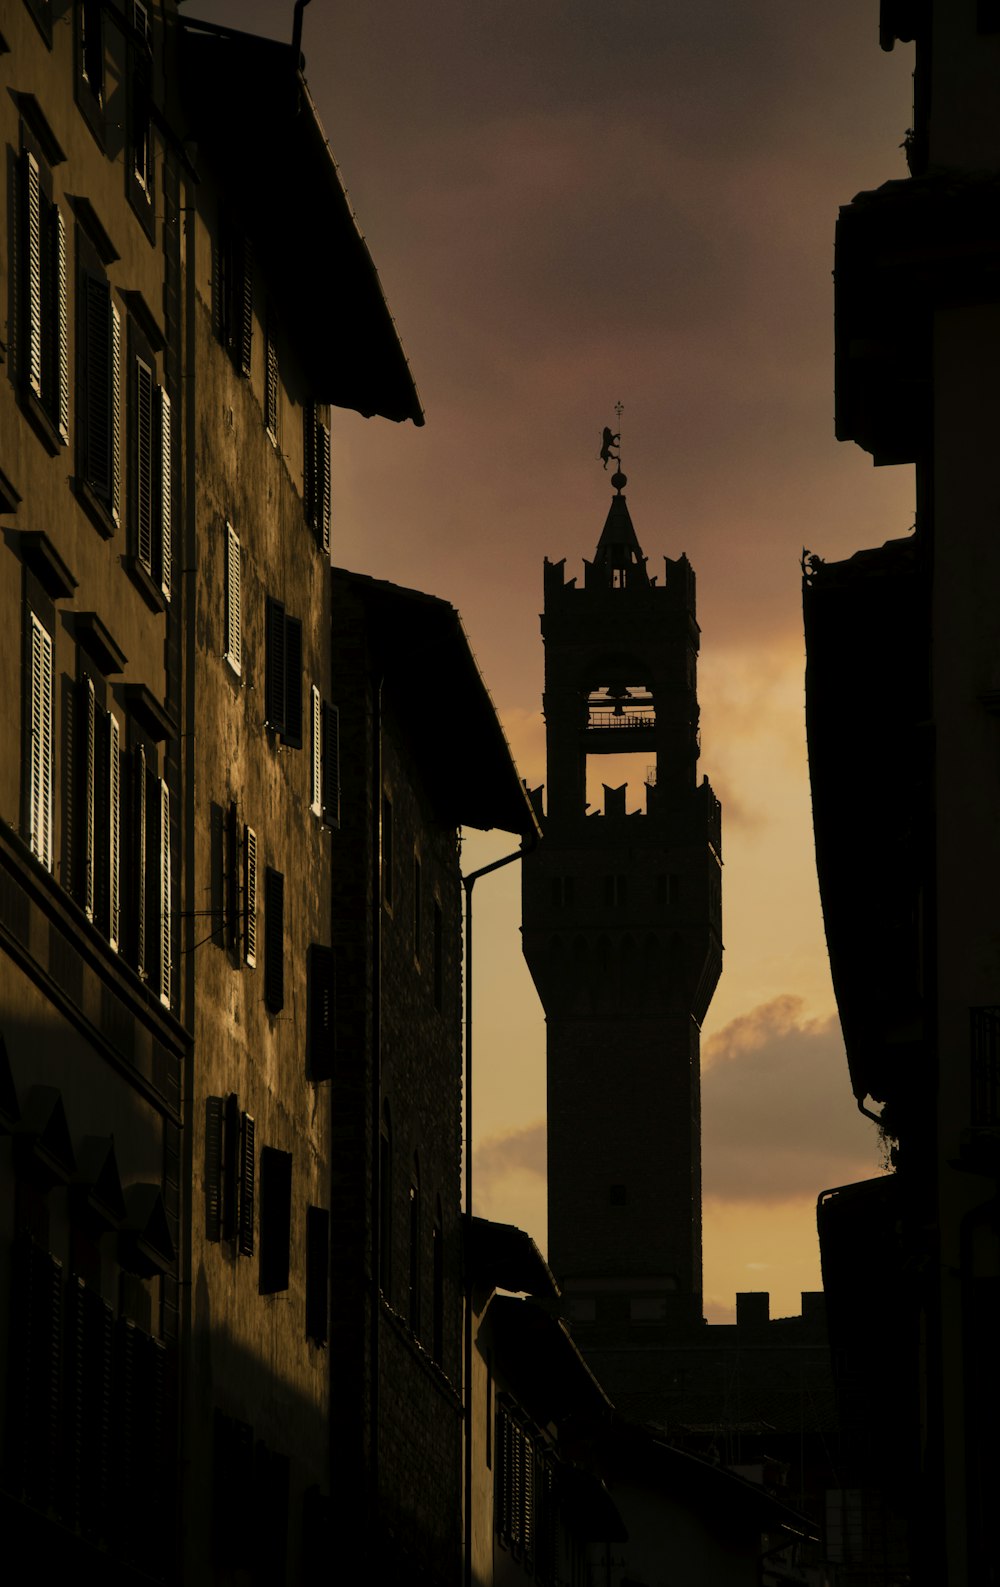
(573, 204)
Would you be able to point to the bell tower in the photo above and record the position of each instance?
(622, 935)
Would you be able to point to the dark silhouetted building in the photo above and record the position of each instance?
(622, 912)
(902, 699)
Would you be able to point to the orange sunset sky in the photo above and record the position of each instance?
(572, 203)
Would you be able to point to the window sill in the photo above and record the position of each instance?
(92, 110)
(95, 508)
(145, 584)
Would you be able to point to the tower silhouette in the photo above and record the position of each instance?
(622, 935)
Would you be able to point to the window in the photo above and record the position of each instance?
(150, 469)
(270, 378)
(666, 890)
(387, 859)
(100, 433)
(40, 741)
(234, 619)
(320, 977)
(275, 1219)
(236, 1168)
(416, 907)
(250, 897)
(316, 770)
(140, 107)
(317, 1274)
(563, 892)
(615, 892)
(283, 685)
(91, 48)
(233, 293)
(274, 940)
(413, 1286)
(316, 474)
(98, 758)
(43, 361)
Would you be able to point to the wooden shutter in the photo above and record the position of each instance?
(60, 321)
(234, 612)
(250, 897)
(230, 1168)
(271, 379)
(164, 880)
(40, 780)
(331, 764)
(316, 740)
(275, 1219)
(213, 1167)
(88, 773)
(317, 1274)
(323, 486)
(247, 1168)
(232, 877)
(164, 502)
(320, 974)
(292, 732)
(274, 940)
(97, 386)
(245, 309)
(276, 672)
(33, 284)
(114, 829)
(139, 848)
(115, 494)
(144, 464)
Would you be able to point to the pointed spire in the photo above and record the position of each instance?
(618, 560)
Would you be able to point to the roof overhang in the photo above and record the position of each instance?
(433, 683)
(256, 125)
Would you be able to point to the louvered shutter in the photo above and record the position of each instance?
(245, 309)
(316, 739)
(232, 876)
(292, 732)
(276, 671)
(230, 1168)
(114, 829)
(274, 940)
(165, 497)
(144, 464)
(40, 794)
(88, 774)
(271, 380)
(250, 897)
(213, 1167)
(33, 284)
(323, 486)
(98, 387)
(60, 316)
(139, 852)
(234, 613)
(165, 965)
(331, 764)
(247, 1167)
(114, 500)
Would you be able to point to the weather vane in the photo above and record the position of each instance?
(609, 439)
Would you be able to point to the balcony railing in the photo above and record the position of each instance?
(642, 717)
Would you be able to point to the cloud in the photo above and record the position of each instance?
(778, 1117)
(509, 1179)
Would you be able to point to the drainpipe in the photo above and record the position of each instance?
(469, 882)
